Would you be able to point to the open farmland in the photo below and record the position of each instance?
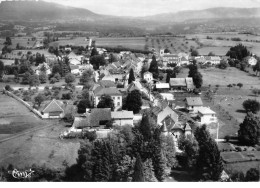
(79, 41)
(228, 102)
(23, 41)
(16, 118)
(174, 44)
(131, 42)
(41, 147)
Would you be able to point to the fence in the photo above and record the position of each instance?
(36, 112)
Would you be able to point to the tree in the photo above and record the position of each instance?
(86, 77)
(252, 175)
(211, 54)
(2, 67)
(56, 69)
(197, 80)
(149, 171)
(131, 76)
(26, 78)
(194, 53)
(125, 169)
(94, 52)
(170, 74)
(209, 163)
(106, 102)
(85, 94)
(248, 131)
(8, 41)
(240, 85)
(133, 101)
(146, 127)
(167, 51)
(256, 68)
(39, 99)
(112, 58)
(34, 80)
(43, 78)
(223, 64)
(69, 78)
(251, 105)
(138, 175)
(82, 105)
(190, 147)
(154, 68)
(97, 61)
(238, 52)
(158, 162)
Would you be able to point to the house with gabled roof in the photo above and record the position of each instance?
(122, 118)
(161, 114)
(182, 84)
(206, 116)
(115, 94)
(193, 104)
(53, 110)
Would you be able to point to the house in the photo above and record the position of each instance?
(107, 84)
(113, 92)
(133, 86)
(178, 84)
(75, 62)
(183, 54)
(99, 117)
(193, 104)
(184, 61)
(148, 76)
(162, 87)
(75, 69)
(53, 110)
(214, 60)
(182, 84)
(122, 118)
(164, 114)
(44, 67)
(172, 59)
(206, 116)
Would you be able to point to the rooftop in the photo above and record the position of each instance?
(122, 115)
(194, 101)
(205, 111)
(106, 91)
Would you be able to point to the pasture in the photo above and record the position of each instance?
(40, 147)
(15, 117)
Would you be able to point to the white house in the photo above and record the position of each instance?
(251, 60)
(214, 60)
(206, 116)
(53, 110)
(44, 67)
(113, 92)
(75, 61)
(148, 76)
(193, 104)
(122, 118)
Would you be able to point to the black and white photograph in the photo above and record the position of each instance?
(129, 91)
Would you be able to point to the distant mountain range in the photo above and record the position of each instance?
(40, 10)
(207, 14)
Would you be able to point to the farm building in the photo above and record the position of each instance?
(148, 76)
(182, 84)
(122, 118)
(53, 110)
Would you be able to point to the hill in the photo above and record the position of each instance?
(207, 14)
(40, 10)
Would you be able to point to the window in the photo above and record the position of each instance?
(118, 98)
(118, 104)
(113, 98)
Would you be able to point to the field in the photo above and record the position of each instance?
(15, 118)
(133, 43)
(228, 102)
(23, 41)
(42, 146)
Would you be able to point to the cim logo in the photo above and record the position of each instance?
(21, 174)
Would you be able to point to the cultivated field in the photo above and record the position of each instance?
(23, 41)
(228, 102)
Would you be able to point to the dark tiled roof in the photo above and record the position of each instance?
(107, 83)
(99, 114)
(194, 101)
(108, 91)
(177, 82)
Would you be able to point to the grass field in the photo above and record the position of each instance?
(15, 118)
(41, 147)
(23, 41)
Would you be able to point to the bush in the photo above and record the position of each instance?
(66, 96)
(53, 80)
(251, 106)
(252, 175)
(90, 135)
(8, 88)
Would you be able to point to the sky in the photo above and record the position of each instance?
(152, 7)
